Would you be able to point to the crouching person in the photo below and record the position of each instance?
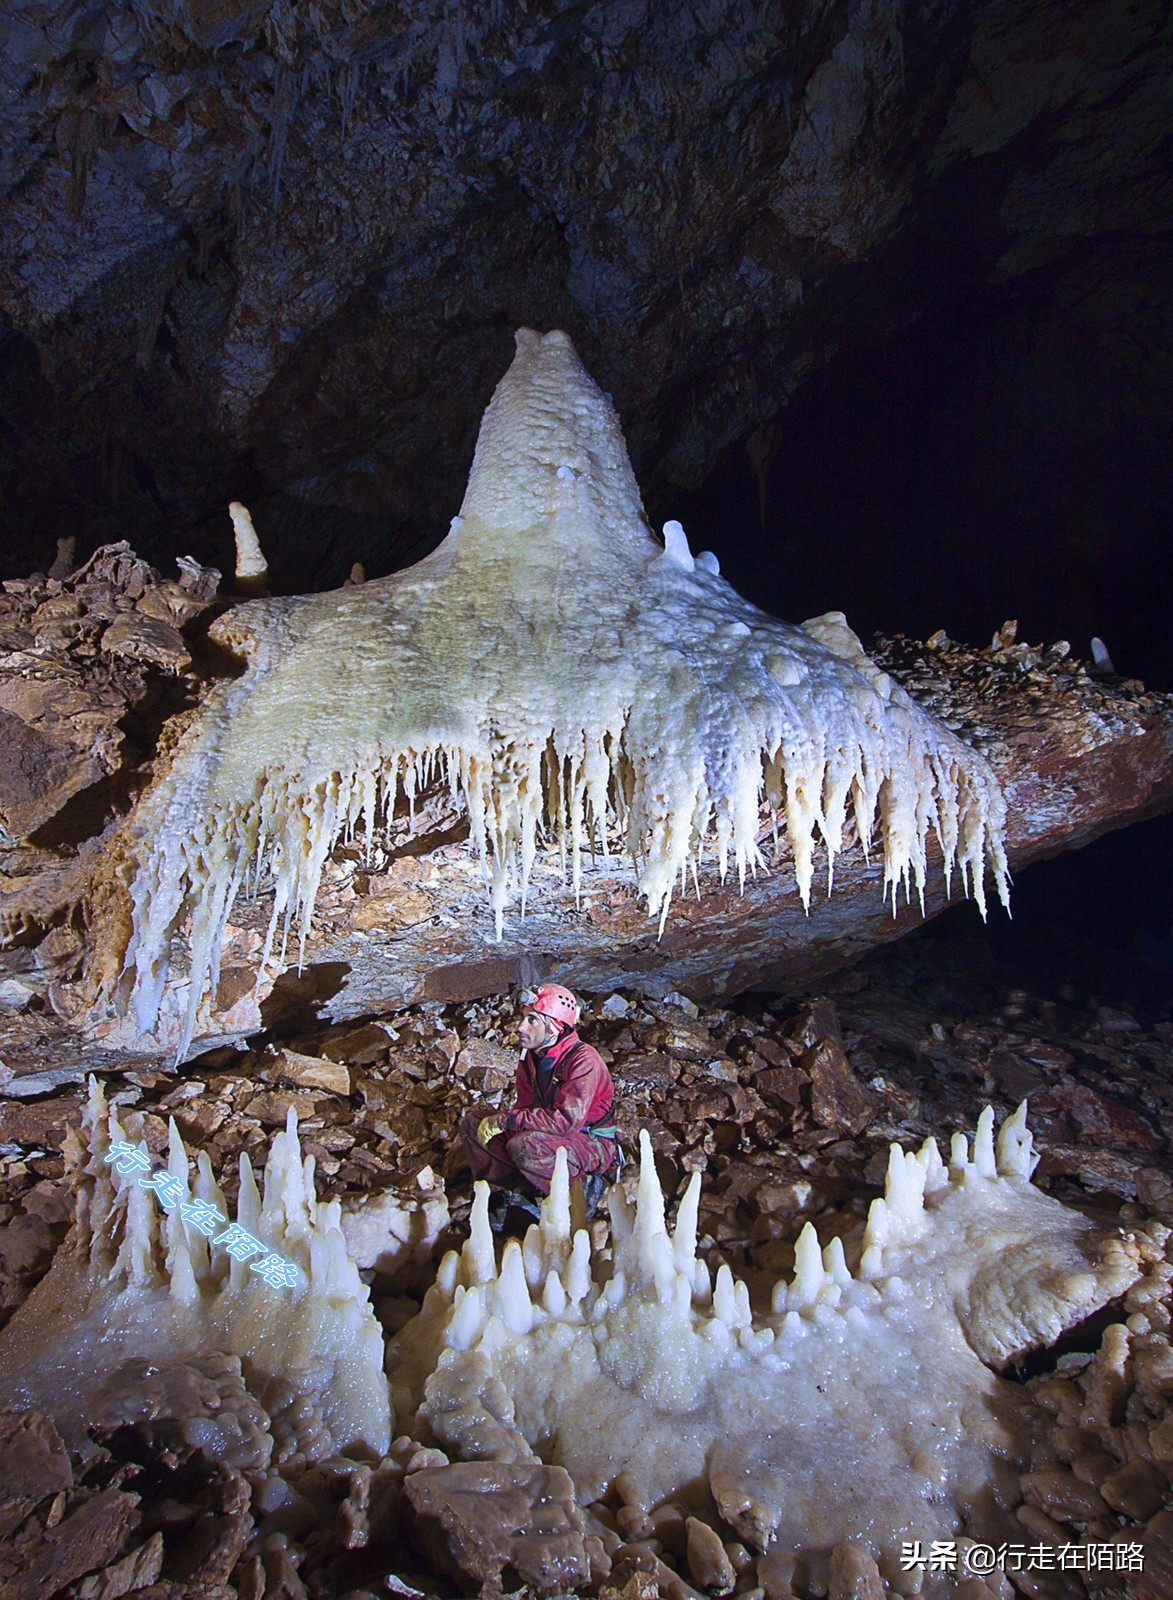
(563, 1101)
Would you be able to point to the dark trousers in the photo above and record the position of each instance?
(529, 1157)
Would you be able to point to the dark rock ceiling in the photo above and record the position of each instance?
(902, 265)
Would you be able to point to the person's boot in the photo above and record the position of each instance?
(511, 1208)
(594, 1186)
(498, 1207)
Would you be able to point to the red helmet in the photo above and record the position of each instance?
(553, 1001)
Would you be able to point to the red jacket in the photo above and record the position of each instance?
(578, 1093)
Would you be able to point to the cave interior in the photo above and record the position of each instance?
(883, 298)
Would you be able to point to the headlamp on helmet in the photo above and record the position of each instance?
(553, 1001)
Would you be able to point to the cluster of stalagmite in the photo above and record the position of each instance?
(855, 1402)
(574, 682)
(134, 1282)
(824, 1418)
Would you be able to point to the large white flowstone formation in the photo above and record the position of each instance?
(570, 677)
(134, 1284)
(858, 1404)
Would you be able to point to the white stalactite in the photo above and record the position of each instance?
(567, 677)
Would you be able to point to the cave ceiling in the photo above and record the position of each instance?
(277, 252)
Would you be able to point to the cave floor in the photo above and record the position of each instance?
(786, 1104)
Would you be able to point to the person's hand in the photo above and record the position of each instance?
(488, 1128)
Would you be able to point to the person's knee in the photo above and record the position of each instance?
(532, 1147)
(534, 1161)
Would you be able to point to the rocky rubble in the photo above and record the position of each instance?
(1101, 1473)
(787, 1106)
(90, 663)
(478, 1520)
(78, 650)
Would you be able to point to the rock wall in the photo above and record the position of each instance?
(240, 241)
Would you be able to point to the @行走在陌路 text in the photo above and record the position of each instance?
(172, 1195)
(971, 1559)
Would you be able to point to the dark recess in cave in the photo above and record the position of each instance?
(979, 466)
(990, 462)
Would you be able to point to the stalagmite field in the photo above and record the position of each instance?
(857, 1404)
(141, 1284)
(825, 1418)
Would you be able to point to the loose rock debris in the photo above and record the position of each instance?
(787, 1110)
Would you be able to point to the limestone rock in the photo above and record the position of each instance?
(41, 1122)
(33, 1465)
(360, 1046)
(146, 638)
(838, 1099)
(89, 1537)
(25, 1244)
(781, 1086)
(488, 1065)
(311, 1072)
(38, 775)
(136, 1571)
(1157, 1578)
(478, 1518)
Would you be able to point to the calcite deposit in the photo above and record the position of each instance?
(583, 1406)
(570, 678)
(137, 1288)
(856, 1403)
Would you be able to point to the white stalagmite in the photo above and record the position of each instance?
(132, 1281)
(860, 1404)
(567, 675)
(251, 566)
